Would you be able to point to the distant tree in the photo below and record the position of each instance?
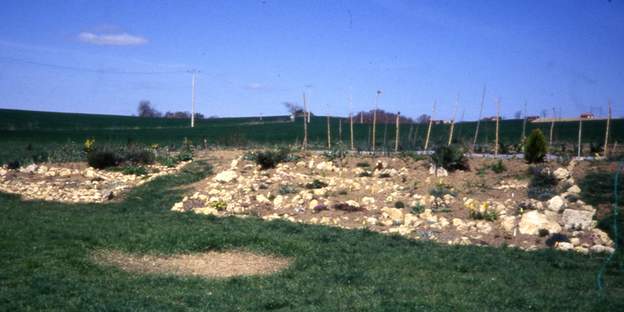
(199, 116)
(293, 108)
(424, 118)
(518, 114)
(145, 109)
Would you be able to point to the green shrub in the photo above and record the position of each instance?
(139, 156)
(135, 170)
(270, 159)
(365, 174)
(167, 161)
(418, 208)
(219, 205)
(441, 189)
(286, 189)
(535, 149)
(399, 204)
(363, 164)
(450, 158)
(498, 167)
(185, 155)
(101, 159)
(543, 184)
(316, 184)
(597, 188)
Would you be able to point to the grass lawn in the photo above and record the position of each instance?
(45, 264)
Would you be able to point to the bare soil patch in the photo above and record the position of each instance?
(210, 264)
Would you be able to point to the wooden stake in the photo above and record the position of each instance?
(396, 136)
(552, 127)
(497, 126)
(606, 144)
(580, 132)
(453, 122)
(351, 129)
(305, 122)
(474, 142)
(328, 133)
(340, 130)
(429, 128)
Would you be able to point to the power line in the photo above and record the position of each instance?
(89, 70)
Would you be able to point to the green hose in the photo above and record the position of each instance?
(600, 276)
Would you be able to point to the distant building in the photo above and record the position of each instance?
(587, 116)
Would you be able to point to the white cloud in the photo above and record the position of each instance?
(120, 39)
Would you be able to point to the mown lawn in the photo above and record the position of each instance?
(45, 265)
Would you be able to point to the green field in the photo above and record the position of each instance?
(45, 262)
(21, 130)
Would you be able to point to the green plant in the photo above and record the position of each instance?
(399, 204)
(101, 159)
(543, 183)
(535, 149)
(384, 175)
(270, 159)
(412, 155)
(89, 145)
(167, 161)
(135, 170)
(440, 189)
(482, 212)
(450, 158)
(219, 205)
(286, 189)
(316, 184)
(498, 167)
(418, 208)
(136, 155)
(365, 174)
(363, 164)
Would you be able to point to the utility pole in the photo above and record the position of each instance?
(474, 142)
(375, 116)
(194, 72)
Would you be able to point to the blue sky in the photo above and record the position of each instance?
(106, 56)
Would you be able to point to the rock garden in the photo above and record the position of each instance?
(465, 201)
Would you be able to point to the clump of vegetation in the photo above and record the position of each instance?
(219, 205)
(346, 207)
(167, 161)
(556, 238)
(269, 159)
(484, 211)
(102, 159)
(363, 164)
(414, 156)
(418, 208)
(384, 175)
(338, 152)
(365, 174)
(543, 184)
(498, 167)
(135, 170)
(316, 184)
(441, 189)
(141, 156)
(14, 164)
(89, 145)
(286, 189)
(399, 204)
(535, 148)
(450, 158)
(597, 188)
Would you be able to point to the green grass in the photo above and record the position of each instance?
(45, 247)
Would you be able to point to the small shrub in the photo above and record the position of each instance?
(441, 189)
(418, 208)
(365, 174)
(15, 164)
(535, 148)
(363, 164)
(135, 170)
(140, 156)
(219, 205)
(482, 212)
(384, 175)
(270, 159)
(286, 189)
(167, 161)
(498, 167)
(102, 159)
(316, 184)
(450, 158)
(89, 145)
(543, 184)
(399, 204)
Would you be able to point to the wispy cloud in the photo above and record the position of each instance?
(256, 86)
(119, 39)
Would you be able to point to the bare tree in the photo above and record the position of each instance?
(424, 118)
(145, 109)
